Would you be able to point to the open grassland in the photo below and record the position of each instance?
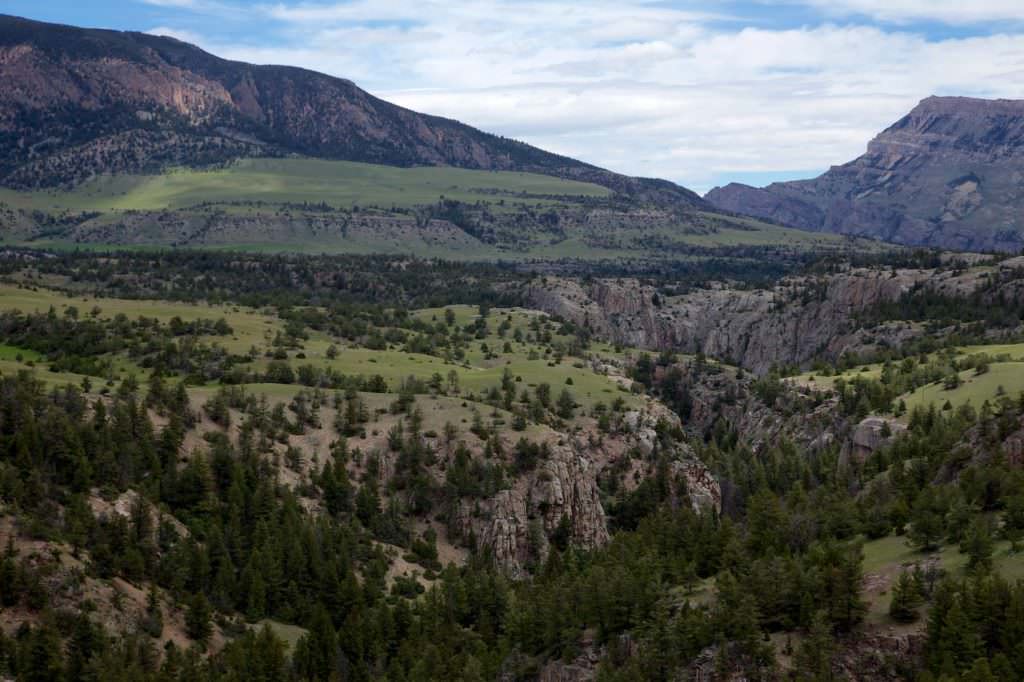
(531, 360)
(40, 372)
(886, 557)
(817, 380)
(339, 184)
(403, 237)
(250, 327)
(1013, 351)
(740, 231)
(1005, 376)
(8, 353)
(292, 205)
(1001, 378)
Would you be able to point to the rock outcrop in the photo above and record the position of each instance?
(515, 524)
(873, 434)
(756, 329)
(799, 320)
(948, 174)
(693, 483)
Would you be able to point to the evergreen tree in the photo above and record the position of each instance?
(906, 598)
(813, 661)
(197, 620)
(978, 546)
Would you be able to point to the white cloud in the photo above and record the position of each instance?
(947, 11)
(179, 34)
(639, 87)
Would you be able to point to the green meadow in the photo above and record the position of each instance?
(1005, 376)
(340, 184)
(530, 361)
(888, 556)
(272, 207)
(1002, 378)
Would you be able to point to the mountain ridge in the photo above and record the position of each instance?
(82, 102)
(945, 175)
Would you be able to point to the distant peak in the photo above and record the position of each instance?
(948, 104)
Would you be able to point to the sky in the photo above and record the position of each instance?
(701, 92)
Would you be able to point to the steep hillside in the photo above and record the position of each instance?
(861, 311)
(81, 102)
(948, 174)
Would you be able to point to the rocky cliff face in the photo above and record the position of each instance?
(949, 174)
(793, 323)
(79, 102)
(516, 524)
(769, 203)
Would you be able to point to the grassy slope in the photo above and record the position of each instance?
(1008, 376)
(250, 326)
(477, 373)
(976, 389)
(340, 184)
(289, 634)
(887, 557)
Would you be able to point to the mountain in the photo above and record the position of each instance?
(77, 103)
(949, 174)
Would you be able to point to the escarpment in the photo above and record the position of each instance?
(791, 324)
(799, 320)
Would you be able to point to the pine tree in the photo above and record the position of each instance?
(566, 404)
(906, 598)
(42, 660)
(959, 641)
(368, 504)
(316, 653)
(978, 546)
(926, 529)
(197, 620)
(980, 671)
(153, 620)
(814, 657)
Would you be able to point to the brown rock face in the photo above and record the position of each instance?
(515, 524)
(949, 174)
(79, 102)
(753, 328)
(795, 322)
